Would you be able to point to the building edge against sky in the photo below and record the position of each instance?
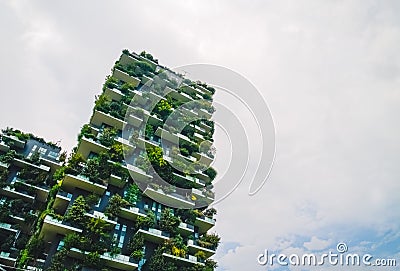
(133, 195)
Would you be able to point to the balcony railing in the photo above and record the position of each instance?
(187, 260)
(194, 247)
(204, 224)
(170, 199)
(154, 235)
(70, 182)
(55, 226)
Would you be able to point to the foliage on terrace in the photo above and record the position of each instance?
(114, 206)
(26, 136)
(172, 247)
(114, 108)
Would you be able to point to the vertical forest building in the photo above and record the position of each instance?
(135, 192)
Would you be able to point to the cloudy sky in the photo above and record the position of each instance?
(329, 71)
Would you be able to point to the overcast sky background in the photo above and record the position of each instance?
(329, 71)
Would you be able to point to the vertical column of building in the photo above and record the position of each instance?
(27, 164)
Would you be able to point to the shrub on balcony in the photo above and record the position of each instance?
(191, 147)
(96, 235)
(3, 178)
(17, 133)
(34, 249)
(210, 212)
(9, 156)
(4, 211)
(102, 103)
(92, 259)
(117, 152)
(148, 56)
(157, 260)
(111, 82)
(76, 213)
(91, 170)
(187, 215)
(168, 222)
(211, 172)
(149, 131)
(107, 136)
(118, 170)
(163, 109)
(209, 240)
(133, 194)
(200, 255)
(143, 163)
(74, 164)
(147, 221)
(87, 132)
(176, 247)
(135, 245)
(114, 206)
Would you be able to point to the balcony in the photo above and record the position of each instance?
(4, 147)
(154, 235)
(185, 229)
(172, 199)
(88, 145)
(54, 165)
(204, 224)
(118, 261)
(188, 89)
(146, 79)
(98, 118)
(134, 120)
(117, 73)
(117, 181)
(51, 227)
(142, 142)
(113, 94)
(204, 113)
(8, 227)
(194, 247)
(202, 89)
(126, 143)
(42, 191)
(198, 137)
(21, 163)
(17, 143)
(180, 96)
(70, 182)
(171, 137)
(131, 213)
(4, 166)
(138, 174)
(62, 201)
(204, 158)
(205, 126)
(14, 193)
(187, 178)
(138, 97)
(9, 258)
(96, 214)
(207, 196)
(189, 260)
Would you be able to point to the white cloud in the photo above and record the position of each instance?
(317, 244)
